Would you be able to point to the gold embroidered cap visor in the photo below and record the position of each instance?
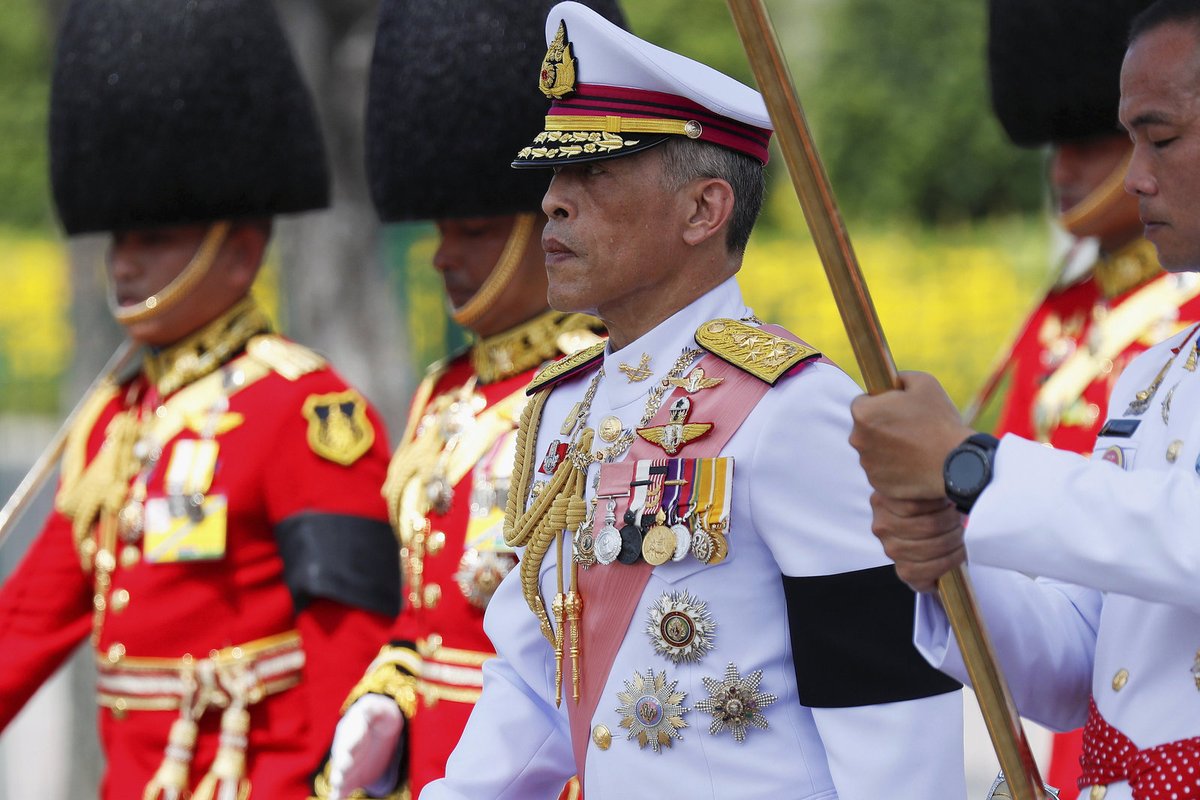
(613, 94)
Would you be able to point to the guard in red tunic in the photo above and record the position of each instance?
(1054, 71)
(449, 99)
(218, 537)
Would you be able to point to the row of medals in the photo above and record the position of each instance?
(652, 540)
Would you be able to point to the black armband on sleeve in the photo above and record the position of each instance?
(852, 640)
(352, 560)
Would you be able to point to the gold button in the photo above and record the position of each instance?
(1120, 679)
(432, 595)
(119, 708)
(105, 561)
(87, 548)
(116, 652)
(435, 543)
(1173, 450)
(120, 599)
(428, 646)
(98, 602)
(1098, 792)
(602, 736)
(130, 555)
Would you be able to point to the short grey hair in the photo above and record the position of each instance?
(685, 160)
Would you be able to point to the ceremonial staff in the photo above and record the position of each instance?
(878, 370)
(33, 481)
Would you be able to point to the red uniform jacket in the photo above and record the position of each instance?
(447, 488)
(306, 548)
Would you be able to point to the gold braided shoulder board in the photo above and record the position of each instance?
(565, 367)
(292, 361)
(765, 355)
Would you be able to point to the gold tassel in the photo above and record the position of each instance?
(226, 780)
(170, 781)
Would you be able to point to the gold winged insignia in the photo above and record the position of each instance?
(557, 78)
(695, 381)
(678, 432)
(763, 354)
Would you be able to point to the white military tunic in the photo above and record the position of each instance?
(800, 508)
(1116, 613)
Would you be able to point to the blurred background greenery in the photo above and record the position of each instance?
(947, 217)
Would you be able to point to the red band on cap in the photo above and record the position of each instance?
(599, 100)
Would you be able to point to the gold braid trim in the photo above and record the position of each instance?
(523, 461)
(559, 506)
(394, 674)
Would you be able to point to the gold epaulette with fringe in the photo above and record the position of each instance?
(566, 367)
(765, 355)
(292, 361)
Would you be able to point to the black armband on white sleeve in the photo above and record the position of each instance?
(852, 640)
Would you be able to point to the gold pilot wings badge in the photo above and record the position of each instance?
(557, 78)
(678, 432)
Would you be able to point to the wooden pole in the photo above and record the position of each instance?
(878, 370)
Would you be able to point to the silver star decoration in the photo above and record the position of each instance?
(680, 627)
(735, 702)
(652, 710)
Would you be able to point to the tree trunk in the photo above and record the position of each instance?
(337, 295)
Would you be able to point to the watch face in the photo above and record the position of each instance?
(967, 471)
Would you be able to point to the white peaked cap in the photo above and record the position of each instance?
(614, 94)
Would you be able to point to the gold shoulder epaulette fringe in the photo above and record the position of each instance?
(765, 355)
(292, 361)
(566, 367)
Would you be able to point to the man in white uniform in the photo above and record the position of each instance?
(700, 609)
(1107, 636)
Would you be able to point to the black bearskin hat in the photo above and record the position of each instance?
(1055, 66)
(176, 112)
(453, 94)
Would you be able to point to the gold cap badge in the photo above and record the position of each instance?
(557, 78)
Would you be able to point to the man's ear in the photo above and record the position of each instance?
(245, 248)
(710, 206)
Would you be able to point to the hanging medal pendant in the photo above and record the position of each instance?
(659, 545)
(631, 540)
(584, 545)
(607, 545)
(702, 544)
(683, 541)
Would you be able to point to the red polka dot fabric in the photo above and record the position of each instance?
(1166, 772)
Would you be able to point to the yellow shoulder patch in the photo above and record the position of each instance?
(763, 354)
(291, 360)
(564, 367)
(339, 429)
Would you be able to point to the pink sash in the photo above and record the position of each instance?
(611, 593)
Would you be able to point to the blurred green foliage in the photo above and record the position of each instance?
(24, 95)
(896, 95)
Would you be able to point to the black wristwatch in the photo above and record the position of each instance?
(968, 470)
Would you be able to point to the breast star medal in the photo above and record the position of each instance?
(680, 627)
(735, 703)
(652, 710)
(607, 545)
(695, 381)
(678, 431)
